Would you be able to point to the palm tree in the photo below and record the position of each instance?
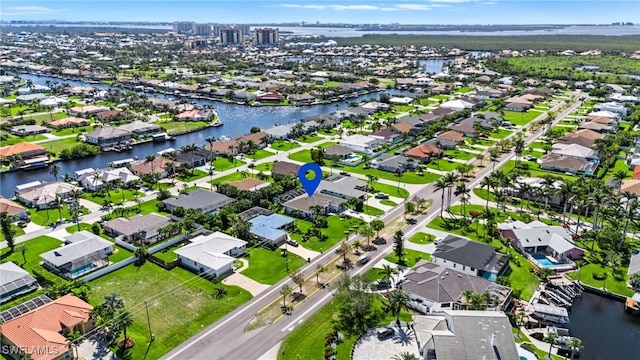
(396, 302)
(58, 202)
(463, 192)
(551, 337)
(480, 157)
(55, 171)
(367, 232)
(405, 356)
(149, 160)
(575, 344)
(285, 291)
(343, 250)
(450, 179)
(566, 192)
(441, 184)
(319, 270)
(494, 156)
(356, 245)
(524, 191)
(297, 279)
(486, 182)
(377, 225)
(124, 320)
(388, 272)
(619, 176)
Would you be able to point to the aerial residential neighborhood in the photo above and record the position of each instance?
(473, 200)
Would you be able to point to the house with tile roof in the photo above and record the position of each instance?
(68, 123)
(24, 150)
(423, 152)
(201, 200)
(138, 228)
(160, 166)
(12, 208)
(42, 195)
(40, 333)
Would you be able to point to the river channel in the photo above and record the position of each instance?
(238, 120)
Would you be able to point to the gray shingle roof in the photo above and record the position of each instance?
(201, 200)
(77, 250)
(471, 254)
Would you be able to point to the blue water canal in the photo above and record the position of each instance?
(238, 120)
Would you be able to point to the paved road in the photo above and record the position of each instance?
(226, 339)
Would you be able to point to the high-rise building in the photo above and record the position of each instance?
(183, 27)
(231, 36)
(202, 29)
(266, 36)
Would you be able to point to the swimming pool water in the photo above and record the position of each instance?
(544, 261)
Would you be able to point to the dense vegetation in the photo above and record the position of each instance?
(609, 44)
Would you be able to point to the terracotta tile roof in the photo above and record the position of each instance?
(65, 121)
(600, 119)
(158, 165)
(249, 184)
(9, 207)
(41, 328)
(222, 147)
(402, 127)
(423, 151)
(636, 173)
(451, 135)
(255, 137)
(19, 148)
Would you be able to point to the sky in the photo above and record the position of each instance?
(329, 11)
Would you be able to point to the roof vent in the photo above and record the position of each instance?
(446, 273)
(56, 253)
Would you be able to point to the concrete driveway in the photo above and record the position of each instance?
(92, 349)
(370, 348)
(252, 286)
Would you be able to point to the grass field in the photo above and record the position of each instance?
(282, 145)
(335, 232)
(422, 238)
(34, 248)
(391, 190)
(459, 154)
(372, 211)
(47, 117)
(407, 177)
(534, 170)
(260, 154)
(411, 257)
(180, 304)
(179, 127)
(116, 196)
(309, 138)
(194, 175)
(222, 163)
(443, 165)
(500, 134)
(45, 217)
(520, 118)
(56, 146)
(268, 266)
(303, 156)
(585, 275)
(387, 202)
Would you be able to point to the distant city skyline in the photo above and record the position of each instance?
(345, 11)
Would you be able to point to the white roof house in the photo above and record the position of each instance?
(53, 101)
(401, 100)
(95, 180)
(613, 107)
(42, 195)
(361, 143)
(574, 150)
(604, 113)
(456, 105)
(211, 254)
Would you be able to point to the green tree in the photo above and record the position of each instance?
(319, 270)
(388, 272)
(405, 356)
(285, 291)
(55, 171)
(575, 345)
(367, 232)
(7, 231)
(397, 301)
(377, 225)
(398, 246)
(552, 339)
(297, 279)
(343, 250)
(355, 311)
(409, 208)
(124, 320)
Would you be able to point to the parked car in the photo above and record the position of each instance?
(385, 333)
(293, 243)
(379, 241)
(382, 196)
(363, 260)
(530, 158)
(344, 173)
(437, 241)
(383, 284)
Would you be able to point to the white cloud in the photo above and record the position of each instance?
(412, 7)
(489, 3)
(418, 7)
(450, 1)
(28, 10)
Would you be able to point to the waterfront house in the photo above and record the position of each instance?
(139, 228)
(43, 195)
(226, 147)
(435, 288)
(194, 115)
(108, 136)
(361, 143)
(111, 115)
(280, 131)
(303, 204)
(13, 209)
(211, 255)
(68, 123)
(85, 252)
(15, 281)
(86, 111)
(41, 332)
(141, 128)
(25, 130)
(194, 158)
(535, 238)
(271, 229)
(465, 335)
(256, 138)
(97, 179)
(28, 99)
(160, 166)
(204, 201)
(270, 97)
(470, 257)
(568, 164)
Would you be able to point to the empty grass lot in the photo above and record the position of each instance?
(618, 286)
(309, 138)
(282, 145)
(407, 177)
(45, 217)
(411, 257)
(443, 165)
(422, 238)
(56, 146)
(115, 196)
(534, 170)
(391, 190)
(222, 163)
(500, 134)
(47, 117)
(520, 118)
(268, 266)
(260, 154)
(180, 304)
(180, 127)
(34, 248)
(303, 156)
(335, 232)
(193, 175)
(372, 211)
(459, 154)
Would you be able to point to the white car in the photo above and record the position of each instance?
(530, 158)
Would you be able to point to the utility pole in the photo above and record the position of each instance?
(151, 336)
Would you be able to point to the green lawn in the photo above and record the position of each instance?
(56, 146)
(520, 118)
(116, 196)
(401, 108)
(179, 127)
(17, 231)
(260, 154)
(303, 156)
(387, 202)
(411, 257)
(283, 145)
(618, 286)
(500, 134)
(331, 84)
(443, 165)
(180, 304)
(222, 163)
(370, 210)
(619, 165)
(534, 170)
(263, 167)
(422, 238)
(195, 175)
(335, 232)
(34, 248)
(236, 176)
(307, 340)
(309, 138)
(46, 217)
(268, 266)
(407, 177)
(391, 190)
(119, 254)
(47, 117)
(73, 131)
(459, 154)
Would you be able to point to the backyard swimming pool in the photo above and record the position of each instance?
(544, 261)
(353, 159)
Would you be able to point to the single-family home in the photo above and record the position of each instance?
(204, 201)
(271, 229)
(634, 264)
(211, 255)
(41, 332)
(392, 163)
(568, 164)
(250, 184)
(361, 143)
(85, 252)
(86, 111)
(108, 136)
(344, 187)
(142, 228)
(582, 137)
(194, 158)
(539, 238)
(24, 154)
(576, 151)
(53, 102)
(613, 107)
(28, 99)
(599, 127)
(285, 168)
(424, 153)
(386, 135)
(449, 139)
(224, 147)
(465, 335)
(15, 281)
(338, 151)
(194, 115)
(518, 106)
(405, 100)
(68, 123)
(25, 130)
(160, 166)
(111, 115)
(436, 288)
(270, 97)
(303, 204)
(93, 181)
(141, 128)
(43, 195)
(457, 105)
(13, 209)
(403, 128)
(470, 257)
(257, 138)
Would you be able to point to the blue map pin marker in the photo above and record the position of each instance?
(310, 186)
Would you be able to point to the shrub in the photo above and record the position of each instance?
(600, 275)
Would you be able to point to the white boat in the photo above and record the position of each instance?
(224, 138)
(550, 313)
(216, 123)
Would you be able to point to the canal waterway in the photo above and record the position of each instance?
(238, 120)
(606, 330)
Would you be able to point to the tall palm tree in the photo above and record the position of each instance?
(552, 339)
(285, 291)
(319, 270)
(388, 272)
(76, 195)
(575, 345)
(441, 184)
(486, 182)
(463, 192)
(396, 303)
(58, 202)
(524, 191)
(566, 192)
(367, 231)
(494, 156)
(451, 179)
(619, 176)
(55, 171)
(124, 321)
(343, 250)
(597, 200)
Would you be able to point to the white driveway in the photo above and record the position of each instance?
(301, 251)
(252, 286)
